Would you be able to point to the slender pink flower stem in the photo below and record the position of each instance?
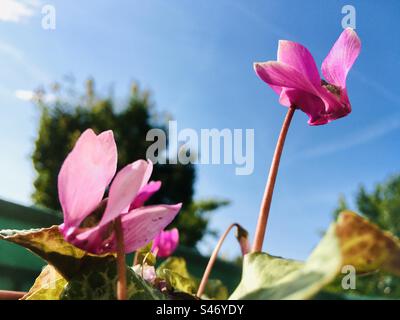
(212, 260)
(11, 295)
(121, 284)
(269, 188)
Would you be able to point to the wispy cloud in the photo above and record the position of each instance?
(261, 21)
(29, 95)
(380, 89)
(25, 95)
(366, 135)
(11, 51)
(19, 57)
(17, 10)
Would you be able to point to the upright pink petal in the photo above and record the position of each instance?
(125, 187)
(283, 75)
(143, 224)
(341, 58)
(147, 174)
(298, 57)
(165, 243)
(85, 174)
(145, 193)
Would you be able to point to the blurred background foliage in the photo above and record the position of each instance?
(66, 113)
(381, 205)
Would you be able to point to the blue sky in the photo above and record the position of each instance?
(196, 57)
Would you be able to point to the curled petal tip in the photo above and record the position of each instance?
(255, 65)
(352, 32)
(108, 132)
(283, 43)
(179, 205)
(140, 162)
(258, 66)
(89, 130)
(156, 184)
(175, 208)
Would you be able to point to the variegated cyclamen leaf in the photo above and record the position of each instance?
(215, 289)
(174, 272)
(352, 240)
(177, 282)
(49, 244)
(48, 285)
(176, 264)
(366, 246)
(100, 283)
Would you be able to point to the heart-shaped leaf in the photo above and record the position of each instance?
(215, 289)
(48, 285)
(352, 240)
(49, 244)
(174, 272)
(73, 273)
(99, 282)
(365, 246)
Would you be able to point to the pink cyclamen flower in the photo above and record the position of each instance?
(88, 218)
(165, 243)
(295, 77)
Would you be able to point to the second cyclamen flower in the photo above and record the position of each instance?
(88, 218)
(295, 77)
(165, 243)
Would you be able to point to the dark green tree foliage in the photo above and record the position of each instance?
(66, 117)
(382, 206)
